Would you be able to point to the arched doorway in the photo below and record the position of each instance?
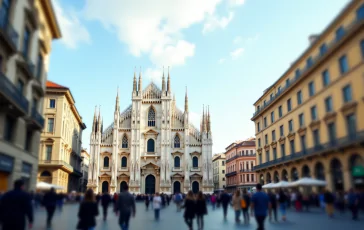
(284, 175)
(150, 184)
(105, 186)
(319, 171)
(46, 177)
(176, 187)
(122, 184)
(294, 174)
(356, 164)
(195, 187)
(269, 178)
(261, 179)
(306, 171)
(276, 177)
(337, 175)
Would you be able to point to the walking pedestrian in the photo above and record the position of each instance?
(245, 203)
(88, 211)
(259, 206)
(60, 198)
(225, 200)
(50, 202)
(147, 201)
(283, 200)
(157, 204)
(201, 210)
(236, 203)
(178, 199)
(126, 207)
(189, 206)
(329, 200)
(105, 202)
(15, 207)
(213, 201)
(353, 203)
(273, 202)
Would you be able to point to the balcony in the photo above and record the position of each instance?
(196, 169)
(8, 36)
(246, 170)
(56, 163)
(238, 156)
(11, 96)
(230, 174)
(26, 66)
(77, 172)
(331, 146)
(35, 120)
(349, 29)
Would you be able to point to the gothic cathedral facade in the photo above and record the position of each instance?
(151, 146)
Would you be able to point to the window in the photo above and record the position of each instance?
(124, 142)
(287, 82)
(258, 108)
(5, 8)
(328, 104)
(273, 135)
(259, 144)
(272, 116)
(362, 48)
(35, 104)
(40, 66)
(48, 155)
(195, 162)
(351, 125)
(360, 13)
(26, 42)
(298, 73)
(281, 130)
(28, 140)
(303, 143)
(316, 138)
(223, 171)
(151, 117)
(52, 103)
(279, 88)
(347, 94)
(314, 113)
(20, 86)
(124, 162)
(311, 88)
(280, 111)
(301, 119)
(340, 32)
(50, 125)
(290, 126)
(309, 62)
(106, 162)
(177, 162)
(283, 150)
(251, 152)
(323, 49)
(267, 156)
(260, 158)
(258, 126)
(289, 106)
(252, 175)
(291, 143)
(150, 146)
(325, 78)
(264, 102)
(265, 122)
(271, 96)
(332, 132)
(177, 143)
(274, 154)
(266, 140)
(343, 63)
(9, 128)
(299, 97)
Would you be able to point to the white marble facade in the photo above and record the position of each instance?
(151, 145)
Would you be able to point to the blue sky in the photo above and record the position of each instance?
(225, 51)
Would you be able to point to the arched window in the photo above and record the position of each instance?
(124, 143)
(124, 162)
(195, 162)
(177, 162)
(150, 146)
(106, 162)
(177, 141)
(151, 117)
(45, 173)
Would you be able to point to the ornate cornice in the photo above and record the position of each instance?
(302, 131)
(281, 140)
(349, 107)
(315, 124)
(291, 136)
(330, 117)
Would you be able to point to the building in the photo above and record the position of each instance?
(61, 139)
(151, 145)
(309, 122)
(27, 29)
(84, 169)
(218, 162)
(240, 162)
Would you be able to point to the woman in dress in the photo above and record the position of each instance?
(237, 205)
(88, 211)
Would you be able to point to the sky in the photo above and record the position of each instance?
(226, 52)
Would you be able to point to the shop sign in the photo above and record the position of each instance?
(26, 168)
(6, 163)
(358, 171)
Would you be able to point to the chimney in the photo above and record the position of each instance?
(312, 38)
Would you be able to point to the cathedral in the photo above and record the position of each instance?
(151, 146)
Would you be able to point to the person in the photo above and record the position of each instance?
(60, 198)
(126, 207)
(213, 201)
(88, 211)
(98, 198)
(189, 207)
(329, 200)
(225, 200)
(50, 202)
(353, 203)
(178, 199)
(236, 203)
(273, 202)
(147, 199)
(15, 207)
(157, 203)
(245, 203)
(201, 209)
(105, 201)
(283, 200)
(259, 206)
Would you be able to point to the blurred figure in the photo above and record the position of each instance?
(60, 198)
(213, 200)
(225, 200)
(283, 200)
(105, 201)
(245, 203)
(236, 202)
(201, 210)
(146, 201)
(15, 206)
(273, 202)
(178, 199)
(353, 203)
(50, 202)
(259, 206)
(98, 198)
(157, 204)
(190, 207)
(329, 200)
(88, 211)
(126, 207)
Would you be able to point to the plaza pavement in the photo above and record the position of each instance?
(171, 220)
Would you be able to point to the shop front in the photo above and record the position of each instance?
(26, 171)
(358, 176)
(6, 168)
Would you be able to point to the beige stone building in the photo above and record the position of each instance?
(27, 29)
(218, 163)
(61, 140)
(84, 169)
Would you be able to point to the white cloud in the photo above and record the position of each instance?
(222, 60)
(237, 40)
(195, 119)
(154, 74)
(73, 32)
(236, 2)
(172, 55)
(236, 53)
(213, 22)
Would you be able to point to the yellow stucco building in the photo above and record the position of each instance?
(61, 140)
(310, 122)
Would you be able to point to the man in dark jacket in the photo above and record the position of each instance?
(126, 207)
(105, 201)
(15, 206)
(225, 200)
(50, 202)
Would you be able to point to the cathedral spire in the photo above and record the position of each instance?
(99, 120)
(208, 120)
(203, 119)
(134, 82)
(94, 125)
(169, 82)
(117, 107)
(186, 101)
(140, 86)
(163, 82)
(102, 124)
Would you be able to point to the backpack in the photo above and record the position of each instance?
(178, 197)
(243, 203)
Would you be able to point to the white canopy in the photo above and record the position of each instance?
(268, 185)
(45, 186)
(307, 181)
(282, 184)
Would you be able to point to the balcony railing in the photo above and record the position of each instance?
(230, 174)
(331, 146)
(246, 170)
(37, 117)
(56, 163)
(238, 156)
(7, 28)
(308, 68)
(10, 91)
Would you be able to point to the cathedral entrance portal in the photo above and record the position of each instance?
(122, 184)
(195, 187)
(176, 187)
(150, 184)
(105, 186)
